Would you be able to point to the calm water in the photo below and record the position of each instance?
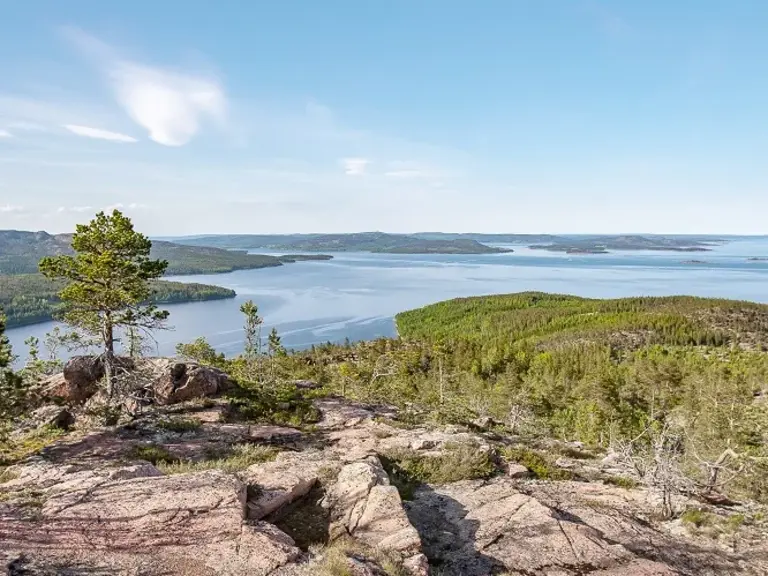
(355, 296)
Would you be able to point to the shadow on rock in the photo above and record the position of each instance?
(448, 537)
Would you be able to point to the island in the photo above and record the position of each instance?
(693, 262)
(603, 244)
(376, 242)
(757, 259)
(32, 298)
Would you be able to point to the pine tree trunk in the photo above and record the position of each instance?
(109, 354)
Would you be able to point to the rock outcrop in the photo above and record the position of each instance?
(367, 507)
(90, 505)
(183, 524)
(175, 382)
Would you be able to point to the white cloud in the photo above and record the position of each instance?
(75, 209)
(98, 133)
(11, 208)
(355, 166)
(5, 134)
(168, 104)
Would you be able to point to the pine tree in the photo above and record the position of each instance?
(252, 329)
(12, 389)
(108, 282)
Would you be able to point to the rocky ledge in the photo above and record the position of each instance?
(183, 490)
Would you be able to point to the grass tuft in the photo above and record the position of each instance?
(180, 425)
(539, 464)
(240, 457)
(621, 481)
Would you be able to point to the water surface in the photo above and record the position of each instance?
(356, 295)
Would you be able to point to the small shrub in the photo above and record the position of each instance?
(399, 423)
(621, 481)
(284, 405)
(180, 425)
(408, 468)
(574, 453)
(697, 518)
(240, 457)
(6, 475)
(734, 522)
(537, 463)
(152, 453)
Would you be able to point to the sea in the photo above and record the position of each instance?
(357, 295)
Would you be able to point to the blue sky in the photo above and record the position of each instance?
(397, 115)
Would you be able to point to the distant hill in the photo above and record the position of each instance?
(603, 244)
(378, 242)
(21, 251)
(452, 243)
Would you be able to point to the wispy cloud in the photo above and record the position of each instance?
(77, 209)
(170, 105)
(11, 208)
(355, 166)
(98, 133)
(5, 134)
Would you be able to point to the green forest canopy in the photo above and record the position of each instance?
(31, 298)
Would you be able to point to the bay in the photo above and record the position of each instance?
(356, 295)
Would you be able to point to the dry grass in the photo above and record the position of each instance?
(338, 559)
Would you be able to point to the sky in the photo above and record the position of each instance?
(519, 116)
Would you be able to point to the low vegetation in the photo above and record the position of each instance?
(237, 458)
(17, 448)
(408, 468)
(538, 463)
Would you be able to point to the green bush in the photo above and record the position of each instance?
(152, 453)
(540, 465)
(621, 482)
(408, 469)
(179, 424)
(240, 457)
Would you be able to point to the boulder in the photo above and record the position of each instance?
(518, 471)
(80, 378)
(52, 415)
(175, 382)
(278, 483)
(364, 505)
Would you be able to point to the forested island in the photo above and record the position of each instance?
(603, 244)
(20, 252)
(377, 242)
(28, 298)
(32, 298)
(450, 243)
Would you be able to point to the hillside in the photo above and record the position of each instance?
(31, 298)
(541, 318)
(21, 251)
(361, 242)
